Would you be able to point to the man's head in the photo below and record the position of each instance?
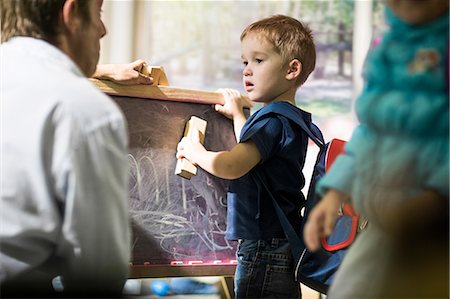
(74, 26)
(290, 38)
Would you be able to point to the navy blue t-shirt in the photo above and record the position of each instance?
(282, 145)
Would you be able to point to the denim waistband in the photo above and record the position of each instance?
(272, 241)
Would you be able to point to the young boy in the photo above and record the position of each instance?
(278, 54)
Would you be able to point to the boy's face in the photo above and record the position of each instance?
(264, 74)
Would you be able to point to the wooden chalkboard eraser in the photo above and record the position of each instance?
(184, 168)
(157, 73)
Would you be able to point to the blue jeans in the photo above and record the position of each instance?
(265, 269)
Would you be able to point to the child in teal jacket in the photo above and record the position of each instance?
(396, 167)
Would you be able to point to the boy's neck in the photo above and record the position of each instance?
(287, 96)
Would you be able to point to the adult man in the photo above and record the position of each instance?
(64, 145)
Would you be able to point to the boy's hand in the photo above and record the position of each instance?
(322, 219)
(189, 147)
(124, 74)
(233, 103)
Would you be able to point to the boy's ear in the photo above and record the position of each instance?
(294, 69)
(70, 19)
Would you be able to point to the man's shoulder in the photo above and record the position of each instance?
(83, 100)
(46, 75)
(74, 97)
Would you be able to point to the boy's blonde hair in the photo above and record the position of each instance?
(291, 39)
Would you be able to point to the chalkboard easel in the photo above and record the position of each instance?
(178, 224)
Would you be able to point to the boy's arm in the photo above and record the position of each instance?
(124, 74)
(226, 164)
(238, 124)
(233, 108)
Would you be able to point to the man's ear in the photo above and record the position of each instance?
(294, 69)
(70, 19)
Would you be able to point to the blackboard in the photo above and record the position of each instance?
(178, 224)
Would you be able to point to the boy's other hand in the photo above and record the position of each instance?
(233, 103)
(189, 147)
(125, 74)
(322, 219)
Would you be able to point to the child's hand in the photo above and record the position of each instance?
(233, 103)
(189, 147)
(322, 219)
(124, 74)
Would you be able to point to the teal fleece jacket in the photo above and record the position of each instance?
(401, 146)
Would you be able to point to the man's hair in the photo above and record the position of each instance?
(291, 38)
(36, 18)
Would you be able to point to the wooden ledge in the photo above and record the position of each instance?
(161, 93)
(155, 271)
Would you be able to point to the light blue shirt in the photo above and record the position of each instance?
(64, 170)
